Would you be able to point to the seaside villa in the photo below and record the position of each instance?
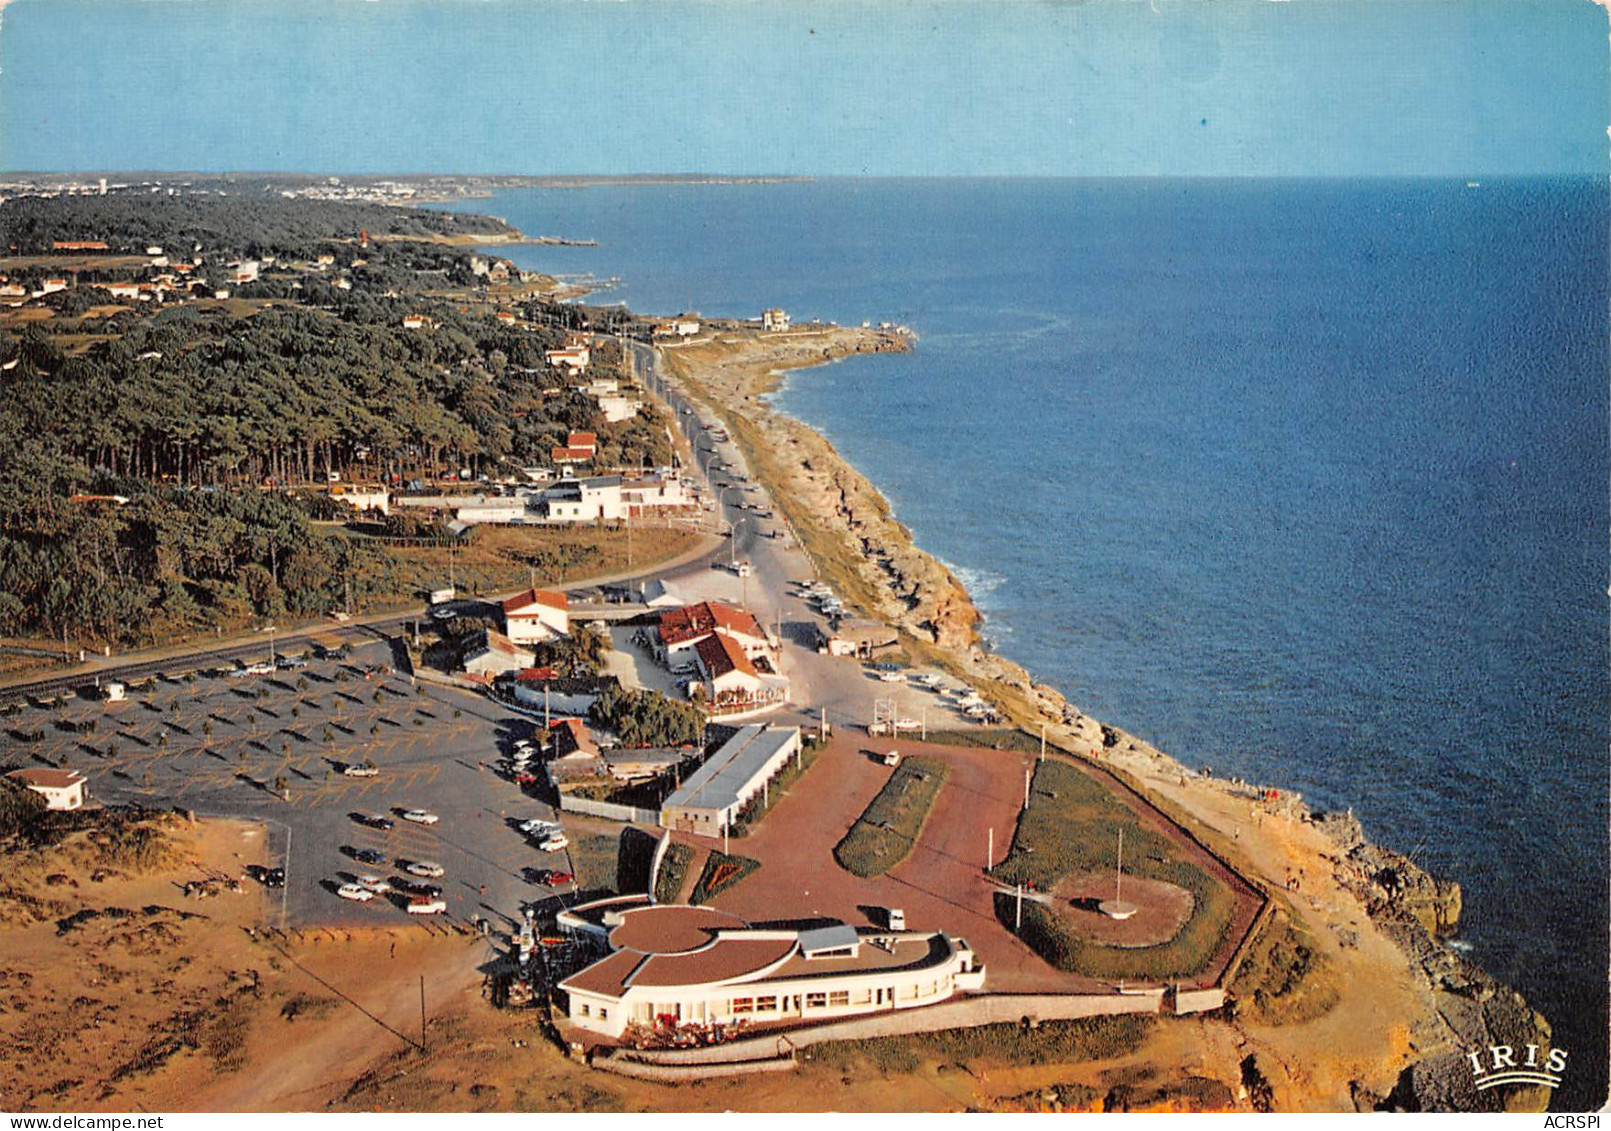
(673, 966)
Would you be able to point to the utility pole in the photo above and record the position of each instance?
(1027, 777)
(726, 826)
(990, 850)
(822, 726)
(1043, 742)
(547, 723)
(1018, 917)
(422, 1013)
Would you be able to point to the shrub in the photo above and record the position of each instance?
(673, 870)
(721, 872)
(884, 834)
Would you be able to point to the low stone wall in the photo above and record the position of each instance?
(1199, 1001)
(960, 1013)
(682, 1073)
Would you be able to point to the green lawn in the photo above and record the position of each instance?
(884, 834)
(1072, 825)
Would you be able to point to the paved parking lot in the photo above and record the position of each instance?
(221, 745)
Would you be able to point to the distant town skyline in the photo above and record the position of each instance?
(947, 87)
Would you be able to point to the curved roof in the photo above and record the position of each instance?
(671, 929)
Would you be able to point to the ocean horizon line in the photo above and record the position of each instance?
(586, 179)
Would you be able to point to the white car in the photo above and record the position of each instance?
(892, 677)
(425, 905)
(538, 825)
(259, 668)
(430, 869)
(360, 771)
(554, 842)
(421, 817)
(355, 893)
(374, 884)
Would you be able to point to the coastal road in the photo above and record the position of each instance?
(841, 687)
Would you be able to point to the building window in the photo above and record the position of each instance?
(766, 1005)
(585, 1011)
(816, 1001)
(864, 997)
(743, 1005)
(839, 997)
(604, 1014)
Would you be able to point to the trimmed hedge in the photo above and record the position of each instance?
(884, 834)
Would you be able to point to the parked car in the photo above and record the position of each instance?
(553, 842)
(374, 884)
(262, 667)
(274, 878)
(420, 887)
(358, 770)
(892, 758)
(555, 879)
(290, 663)
(378, 821)
(421, 817)
(355, 893)
(538, 825)
(369, 856)
(892, 677)
(426, 905)
(428, 868)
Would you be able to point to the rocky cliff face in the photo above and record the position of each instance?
(898, 583)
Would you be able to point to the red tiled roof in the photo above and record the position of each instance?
(679, 626)
(607, 975)
(670, 928)
(582, 440)
(728, 958)
(498, 642)
(570, 736)
(570, 455)
(536, 675)
(47, 778)
(720, 655)
(515, 606)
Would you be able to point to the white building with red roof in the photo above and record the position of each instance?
(491, 653)
(61, 789)
(711, 974)
(680, 630)
(535, 616)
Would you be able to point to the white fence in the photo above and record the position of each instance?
(570, 803)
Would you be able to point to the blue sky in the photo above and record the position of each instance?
(1089, 87)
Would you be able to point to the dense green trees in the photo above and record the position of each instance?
(648, 718)
(201, 416)
(249, 218)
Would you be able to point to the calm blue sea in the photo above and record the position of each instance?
(1303, 480)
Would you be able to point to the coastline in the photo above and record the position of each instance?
(1374, 908)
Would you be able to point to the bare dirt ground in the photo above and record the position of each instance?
(1161, 909)
(123, 992)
